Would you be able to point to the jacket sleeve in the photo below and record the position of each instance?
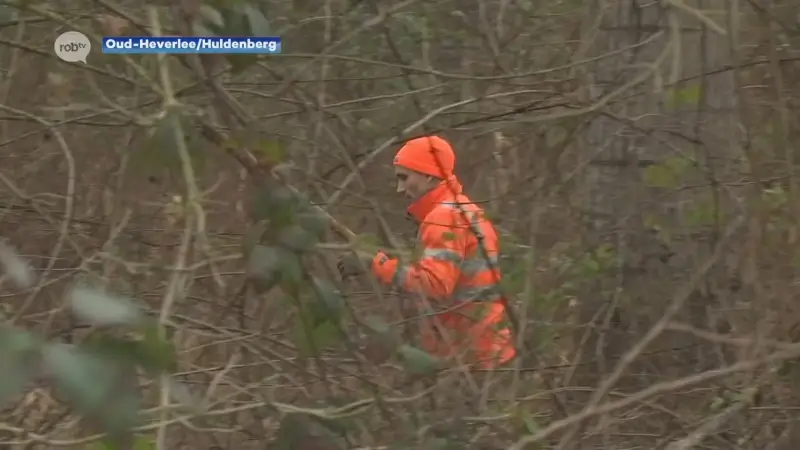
(436, 273)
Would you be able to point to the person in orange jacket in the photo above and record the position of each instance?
(457, 274)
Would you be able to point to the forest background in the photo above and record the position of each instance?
(171, 224)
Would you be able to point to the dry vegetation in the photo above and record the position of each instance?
(638, 155)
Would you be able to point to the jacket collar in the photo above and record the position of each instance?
(423, 206)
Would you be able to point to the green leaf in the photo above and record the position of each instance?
(268, 153)
(152, 353)
(95, 386)
(380, 347)
(18, 271)
(513, 281)
(211, 18)
(268, 266)
(300, 431)
(277, 204)
(717, 404)
(236, 24)
(235, 20)
(330, 300)
(296, 238)
(200, 28)
(678, 164)
(158, 151)
(686, 96)
(291, 273)
(313, 341)
(659, 176)
(98, 308)
(258, 24)
(263, 267)
(144, 443)
(19, 358)
(252, 237)
(531, 426)
(315, 222)
(667, 174)
(590, 266)
(112, 347)
(157, 354)
(367, 242)
(700, 213)
(382, 343)
(8, 13)
(377, 325)
(183, 396)
(105, 444)
(418, 362)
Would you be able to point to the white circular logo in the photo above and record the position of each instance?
(73, 46)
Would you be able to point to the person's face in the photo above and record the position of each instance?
(413, 184)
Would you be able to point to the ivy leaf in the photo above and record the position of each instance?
(19, 358)
(181, 394)
(380, 348)
(263, 267)
(18, 271)
(291, 274)
(527, 421)
(296, 238)
(152, 353)
(312, 340)
(368, 240)
(212, 19)
(382, 341)
(144, 443)
(258, 24)
(277, 204)
(418, 362)
(112, 347)
(158, 151)
(236, 24)
(377, 325)
(157, 354)
(98, 308)
(367, 243)
(268, 154)
(252, 237)
(315, 222)
(302, 431)
(98, 387)
(329, 298)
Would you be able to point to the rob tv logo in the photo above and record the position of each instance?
(71, 47)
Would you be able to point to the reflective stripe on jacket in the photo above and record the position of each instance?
(457, 271)
(456, 262)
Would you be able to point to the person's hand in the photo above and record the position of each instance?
(353, 263)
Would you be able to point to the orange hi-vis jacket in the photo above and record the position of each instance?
(457, 278)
